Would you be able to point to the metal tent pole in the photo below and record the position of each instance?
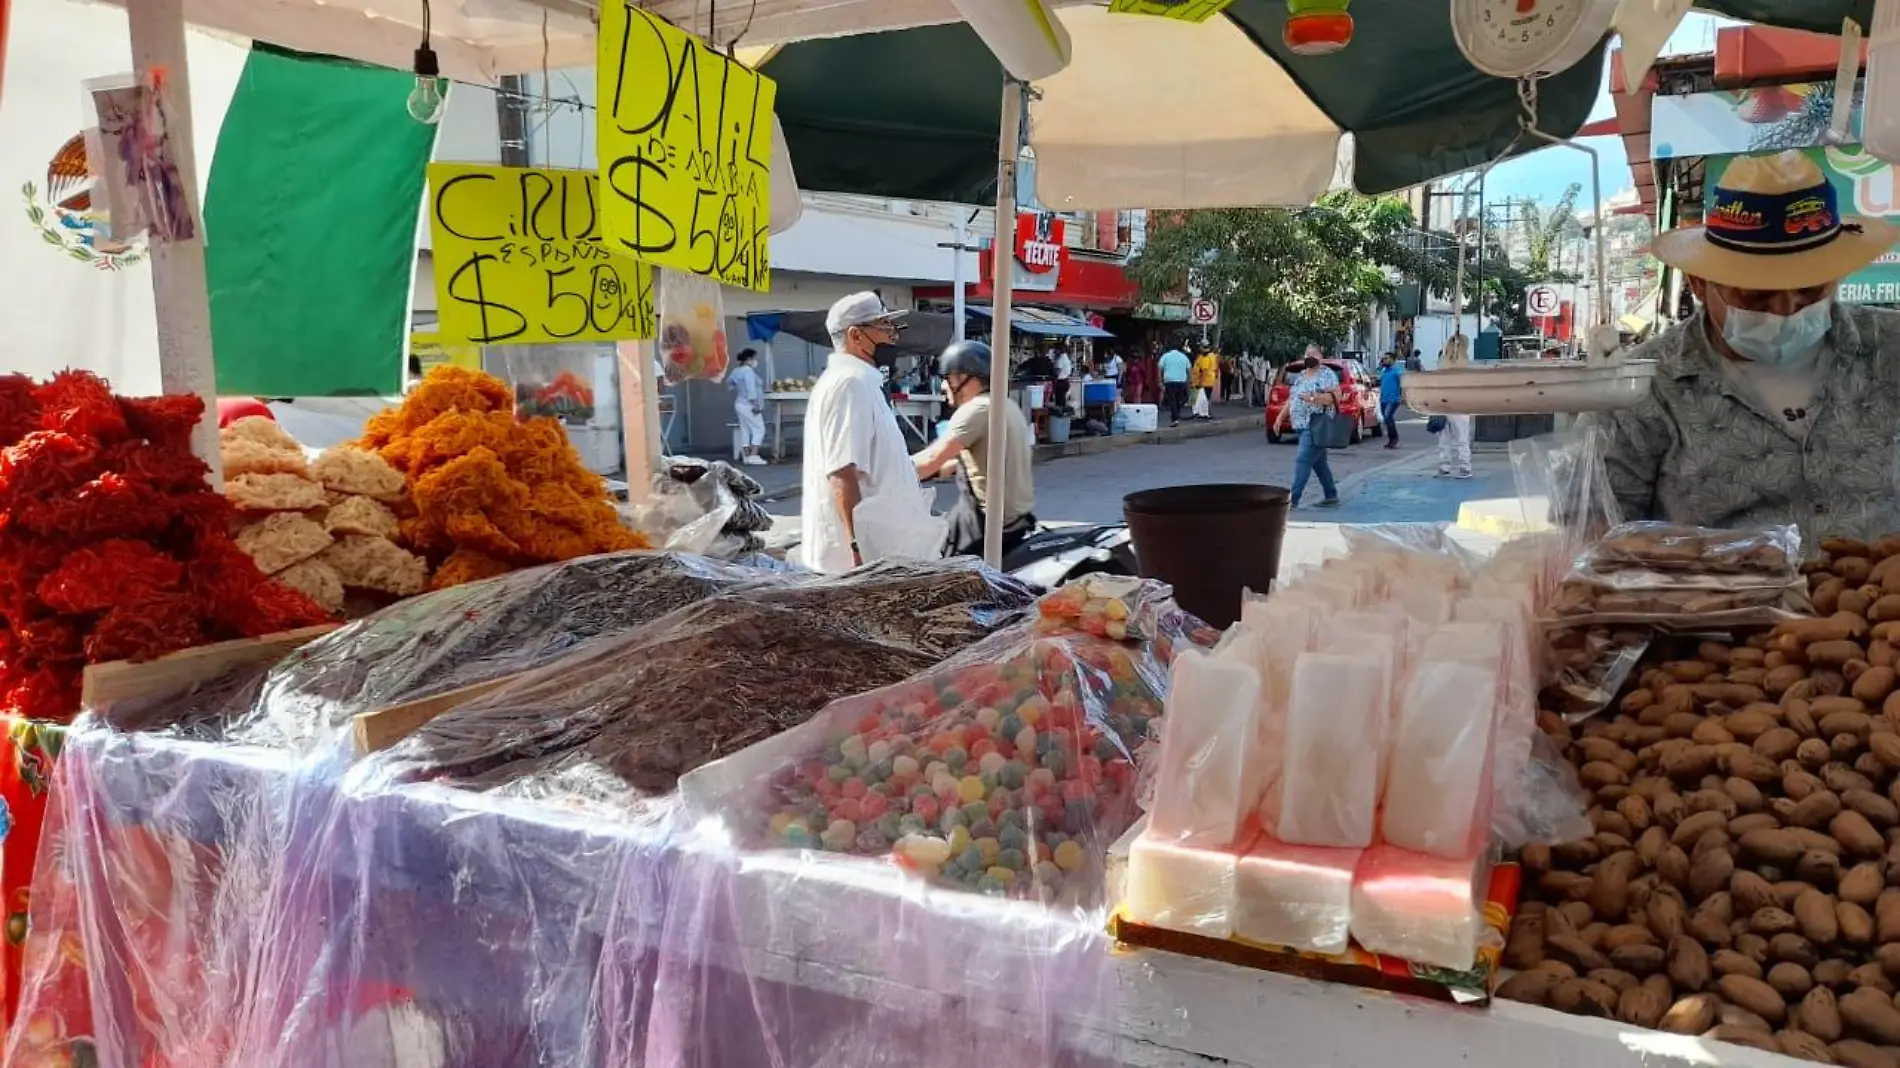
(180, 292)
(1010, 145)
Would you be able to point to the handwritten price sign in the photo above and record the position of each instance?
(519, 259)
(685, 151)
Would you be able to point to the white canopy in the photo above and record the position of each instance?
(478, 41)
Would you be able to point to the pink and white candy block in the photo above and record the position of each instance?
(1424, 909)
(1294, 896)
(1179, 887)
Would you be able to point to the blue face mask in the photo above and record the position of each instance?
(1765, 337)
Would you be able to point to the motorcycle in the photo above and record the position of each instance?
(1055, 555)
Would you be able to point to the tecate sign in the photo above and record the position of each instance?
(1039, 242)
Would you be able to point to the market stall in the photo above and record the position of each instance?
(841, 818)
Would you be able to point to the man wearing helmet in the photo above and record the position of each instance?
(965, 450)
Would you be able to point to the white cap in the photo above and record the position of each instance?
(857, 310)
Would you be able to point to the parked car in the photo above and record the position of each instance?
(1358, 399)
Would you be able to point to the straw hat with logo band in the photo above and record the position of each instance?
(1774, 223)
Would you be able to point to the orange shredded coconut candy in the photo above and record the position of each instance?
(491, 493)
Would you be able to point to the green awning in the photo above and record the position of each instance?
(913, 114)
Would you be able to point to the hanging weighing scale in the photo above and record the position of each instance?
(1527, 40)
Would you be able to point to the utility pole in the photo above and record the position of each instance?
(958, 248)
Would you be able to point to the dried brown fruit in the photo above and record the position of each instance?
(1531, 987)
(1821, 1014)
(1754, 995)
(1856, 835)
(1868, 1013)
(1691, 1015)
(1687, 963)
(1814, 915)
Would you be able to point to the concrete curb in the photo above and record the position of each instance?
(1092, 446)
(1163, 436)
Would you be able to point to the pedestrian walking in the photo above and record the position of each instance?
(1065, 372)
(748, 406)
(1310, 408)
(1175, 370)
(1206, 380)
(1454, 447)
(1391, 397)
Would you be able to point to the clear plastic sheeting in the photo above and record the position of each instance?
(620, 719)
(438, 642)
(215, 905)
(915, 877)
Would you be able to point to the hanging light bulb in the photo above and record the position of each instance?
(425, 100)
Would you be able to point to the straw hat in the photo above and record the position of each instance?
(1774, 222)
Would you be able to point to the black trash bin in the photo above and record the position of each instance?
(1209, 542)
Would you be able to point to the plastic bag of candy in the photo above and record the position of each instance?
(1007, 770)
(692, 328)
(1118, 607)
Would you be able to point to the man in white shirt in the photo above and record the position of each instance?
(1112, 370)
(1065, 371)
(748, 405)
(853, 447)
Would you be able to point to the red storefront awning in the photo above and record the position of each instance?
(1097, 285)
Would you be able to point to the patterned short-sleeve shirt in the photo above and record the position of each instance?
(1704, 449)
(1303, 387)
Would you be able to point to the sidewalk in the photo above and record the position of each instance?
(783, 480)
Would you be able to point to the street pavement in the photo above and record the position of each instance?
(1377, 485)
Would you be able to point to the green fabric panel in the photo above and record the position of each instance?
(912, 114)
(1821, 16)
(310, 216)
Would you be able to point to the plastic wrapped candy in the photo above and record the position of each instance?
(1202, 796)
(1336, 729)
(1107, 606)
(441, 641)
(1437, 797)
(1180, 887)
(1008, 769)
(1423, 909)
(617, 721)
(1294, 896)
(692, 328)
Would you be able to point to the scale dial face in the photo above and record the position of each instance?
(1517, 38)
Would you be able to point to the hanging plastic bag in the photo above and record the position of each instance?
(692, 328)
(550, 381)
(898, 526)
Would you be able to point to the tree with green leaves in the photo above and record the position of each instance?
(1284, 277)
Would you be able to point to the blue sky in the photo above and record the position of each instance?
(1542, 175)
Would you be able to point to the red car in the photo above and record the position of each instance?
(1358, 400)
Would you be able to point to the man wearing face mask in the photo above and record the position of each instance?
(853, 447)
(966, 451)
(1775, 403)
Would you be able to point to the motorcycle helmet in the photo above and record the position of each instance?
(965, 358)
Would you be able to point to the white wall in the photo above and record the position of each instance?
(55, 311)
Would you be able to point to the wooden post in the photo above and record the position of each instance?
(182, 297)
(640, 423)
(1003, 274)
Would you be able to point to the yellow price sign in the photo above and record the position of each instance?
(519, 259)
(1179, 10)
(685, 147)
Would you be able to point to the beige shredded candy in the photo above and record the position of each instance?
(245, 457)
(278, 541)
(317, 581)
(356, 471)
(361, 515)
(261, 431)
(273, 493)
(378, 564)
